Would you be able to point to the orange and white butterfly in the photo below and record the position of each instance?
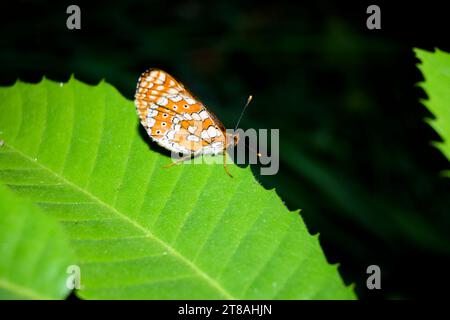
(178, 121)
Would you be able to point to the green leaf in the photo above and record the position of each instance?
(141, 231)
(34, 250)
(435, 68)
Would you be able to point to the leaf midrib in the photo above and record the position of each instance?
(22, 291)
(202, 274)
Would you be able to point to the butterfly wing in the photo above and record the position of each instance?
(174, 118)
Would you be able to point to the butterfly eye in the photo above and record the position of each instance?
(163, 124)
(186, 106)
(158, 131)
(165, 115)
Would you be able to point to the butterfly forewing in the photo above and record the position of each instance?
(174, 118)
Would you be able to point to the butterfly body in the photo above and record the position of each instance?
(175, 119)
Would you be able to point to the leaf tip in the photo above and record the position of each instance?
(72, 78)
(18, 81)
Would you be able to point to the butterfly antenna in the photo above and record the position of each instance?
(250, 97)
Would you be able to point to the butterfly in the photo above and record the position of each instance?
(178, 121)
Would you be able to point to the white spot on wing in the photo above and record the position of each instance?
(204, 135)
(175, 98)
(170, 134)
(150, 122)
(193, 138)
(217, 145)
(163, 101)
(212, 132)
(187, 116)
(204, 115)
(189, 100)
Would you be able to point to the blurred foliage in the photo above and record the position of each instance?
(355, 152)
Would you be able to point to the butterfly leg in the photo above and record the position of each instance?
(225, 163)
(182, 159)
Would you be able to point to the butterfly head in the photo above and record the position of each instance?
(231, 139)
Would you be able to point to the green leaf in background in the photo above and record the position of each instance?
(435, 67)
(34, 251)
(140, 231)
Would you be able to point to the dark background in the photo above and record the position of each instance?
(355, 150)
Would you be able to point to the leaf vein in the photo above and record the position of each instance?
(191, 264)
